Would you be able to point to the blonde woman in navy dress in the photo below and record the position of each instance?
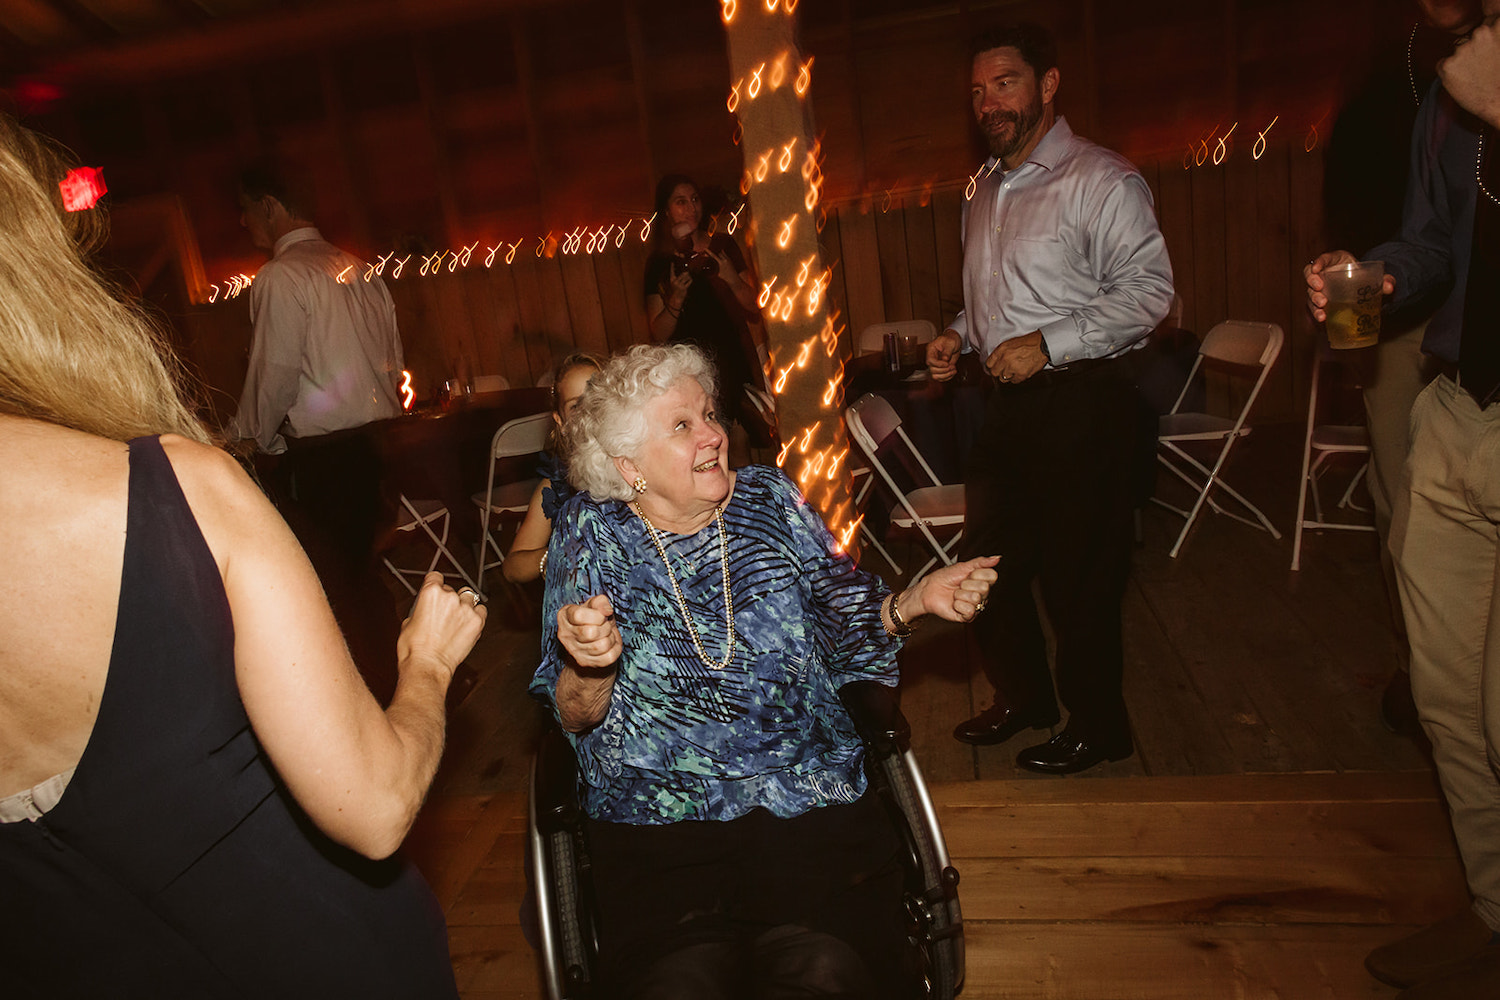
(199, 797)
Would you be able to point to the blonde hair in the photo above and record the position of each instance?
(578, 359)
(72, 353)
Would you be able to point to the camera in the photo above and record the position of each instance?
(699, 264)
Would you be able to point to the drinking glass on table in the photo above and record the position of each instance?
(909, 350)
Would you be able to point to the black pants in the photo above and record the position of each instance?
(756, 907)
(328, 488)
(1050, 487)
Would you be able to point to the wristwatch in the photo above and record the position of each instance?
(1045, 353)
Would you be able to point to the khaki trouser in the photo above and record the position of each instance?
(1398, 373)
(1445, 537)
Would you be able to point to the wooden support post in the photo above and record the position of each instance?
(770, 83)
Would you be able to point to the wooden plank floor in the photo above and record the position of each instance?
(1104, 889)
(1266, 835)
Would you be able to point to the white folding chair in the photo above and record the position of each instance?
(763, 403)
(523, 436)
(422, 515)
(874, 425)
(1243, 345)
(872, 337)
(862, 485)
(1327, 440)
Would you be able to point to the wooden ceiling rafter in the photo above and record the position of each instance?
(293, 28)
(88, 24)
(191, 13)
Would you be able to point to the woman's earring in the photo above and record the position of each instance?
(639, 485)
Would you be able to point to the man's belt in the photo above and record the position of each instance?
(1050, 377)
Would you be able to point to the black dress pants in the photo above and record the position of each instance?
(328, 489)
(1050, 487)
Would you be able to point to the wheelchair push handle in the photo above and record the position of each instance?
(876, 712)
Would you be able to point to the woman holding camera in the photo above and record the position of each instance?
(700, 290)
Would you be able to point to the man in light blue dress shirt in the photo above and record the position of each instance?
(1065, 273)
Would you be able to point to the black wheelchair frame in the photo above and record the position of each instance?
(561, 867)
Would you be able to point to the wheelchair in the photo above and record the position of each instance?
(560, 866)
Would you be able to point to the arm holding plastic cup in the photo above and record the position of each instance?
(1317, 299)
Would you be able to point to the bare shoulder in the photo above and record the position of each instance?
(209, 471)
(229, 507)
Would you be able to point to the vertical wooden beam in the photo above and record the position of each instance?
(638, 68)
(338, 119)
(437, 131)
(249, 142)
(1091, 60)
(526, 87)
(773, 85)
(1232, 57)
(856, 108)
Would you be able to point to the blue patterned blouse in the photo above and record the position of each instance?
(682, 740)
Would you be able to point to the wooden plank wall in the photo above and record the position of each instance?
(1237, 235)
(422, 128)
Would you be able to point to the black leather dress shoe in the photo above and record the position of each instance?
(998, 724)
(1067, 753)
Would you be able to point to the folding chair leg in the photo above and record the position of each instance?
(486, 543)
(945, 552)
(444, 552)
(1259, 515)
(400, 577)
(1347, 501)
(1211, 481)
(870, 537)
(1301, 517)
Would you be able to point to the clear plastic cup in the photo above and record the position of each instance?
(1354, 297)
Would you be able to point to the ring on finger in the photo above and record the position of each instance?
(475, 598)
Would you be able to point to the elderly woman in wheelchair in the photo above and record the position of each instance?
(701, 626)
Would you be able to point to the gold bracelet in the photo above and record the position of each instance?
(542, 566)
(899, 627)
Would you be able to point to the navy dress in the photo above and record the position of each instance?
(176, 863)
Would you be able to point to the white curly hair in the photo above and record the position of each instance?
(610, 421)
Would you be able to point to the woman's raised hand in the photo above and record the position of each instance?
(677, 289)
(958, 592)
(588, 632)
(442, 628)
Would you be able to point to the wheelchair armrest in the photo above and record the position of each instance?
(877, 717)
(556, 782)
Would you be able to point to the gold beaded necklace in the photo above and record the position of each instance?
(687, 618)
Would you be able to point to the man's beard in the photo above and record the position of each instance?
(1023, 124)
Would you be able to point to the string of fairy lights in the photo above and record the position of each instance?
(793, 298)
(1209, 149)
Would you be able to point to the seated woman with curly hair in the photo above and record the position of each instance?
(699, 624)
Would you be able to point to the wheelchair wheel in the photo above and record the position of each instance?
(560, 864)
(935, 920)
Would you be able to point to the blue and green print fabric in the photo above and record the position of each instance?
(682, 740)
